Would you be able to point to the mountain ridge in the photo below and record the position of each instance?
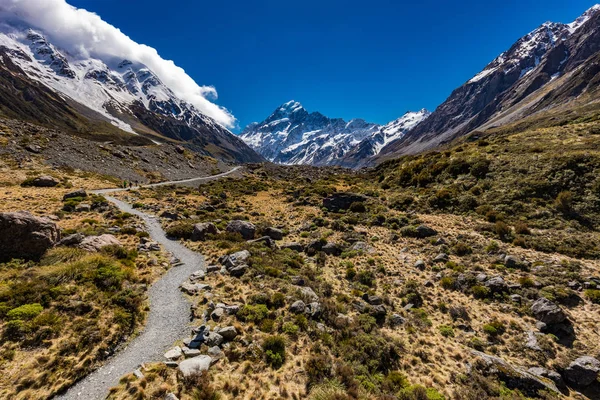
(292, 135)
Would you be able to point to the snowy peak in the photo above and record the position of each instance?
(292, 135)
(127, 94)
(579, 22)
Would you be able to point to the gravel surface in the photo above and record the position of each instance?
(169, 316)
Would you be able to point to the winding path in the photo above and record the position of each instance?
(168, 319)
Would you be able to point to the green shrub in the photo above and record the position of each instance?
(25, 312)
(366, 278)
(446, 331)
(502, 230)
(274, 349)
(494, 328)
(253, 312)
(564, 202)
(277, 300)
(448, 282)
(180, 230)
(593, 295)
(290, 328)
(318, 368)
(521, 228)
(358, 207)
(480, 292)
(462, 249)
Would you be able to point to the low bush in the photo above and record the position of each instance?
(274, 350)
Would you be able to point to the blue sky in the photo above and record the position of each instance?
(351, 59)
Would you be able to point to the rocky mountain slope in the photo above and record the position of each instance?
(549, 67)
(292, 135)
(42, 84)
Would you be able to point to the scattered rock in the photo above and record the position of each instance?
(313, 310)
(203, 230)
(547, 312)
(33, 148)
(244, 228)
(138, 373)
(25, 236)
(196, 365)
(96, 243)
(270, 243)
(235, 259)
(583, 371)
(217, 314)
(298, 307)
(293, 246)
(532, 342)
(229, 333)
(420, 265)
(194, 288)
(396, 320)
(213, 339)
(496, 284)
(332, 249)
(212, 268)
(552, 375)
(342, 201)
(512, 262)
(423, 231)
(198, 275)
(45, 181)
(76, 193)
(174, 353)
(72, 240)
(189, 353)
(83, 207)
(362, 247)
(309, 294)
(297, 280)
(372, 299)
(170, 396)
(442, 257)
(313, 247)
(238, 271)
(514, 377)
(216, 353)
(170, 215)
(274, 233)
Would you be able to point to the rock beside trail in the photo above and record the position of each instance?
(174, 353)
(244, 228)
(76, 193)
(342, 201)
(196, 365)
(547, 312)
(194, 288)
(229, 333)
(203, 230)
(25, 236)
(96, 243)
(583, 371)
(514, 377)
(45, 181)
(235, 259)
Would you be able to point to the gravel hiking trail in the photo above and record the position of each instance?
(169, 316)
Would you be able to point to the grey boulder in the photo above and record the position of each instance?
(547, 312)
(203, 230)
(25, 236)
(244, 228)
(583, 371)
(194, 366)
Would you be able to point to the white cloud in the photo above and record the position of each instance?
(79, 31)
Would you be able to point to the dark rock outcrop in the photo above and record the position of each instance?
(25, 236)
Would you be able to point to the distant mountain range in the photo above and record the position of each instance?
(550, 67)
(42, 84)
(292, 135)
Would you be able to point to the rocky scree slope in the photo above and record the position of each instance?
(546, 68)
(40, 83)
(292, 135)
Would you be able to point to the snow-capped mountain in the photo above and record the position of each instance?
(371, 146)
(292, 135)
(127, 94)
(515, 80)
